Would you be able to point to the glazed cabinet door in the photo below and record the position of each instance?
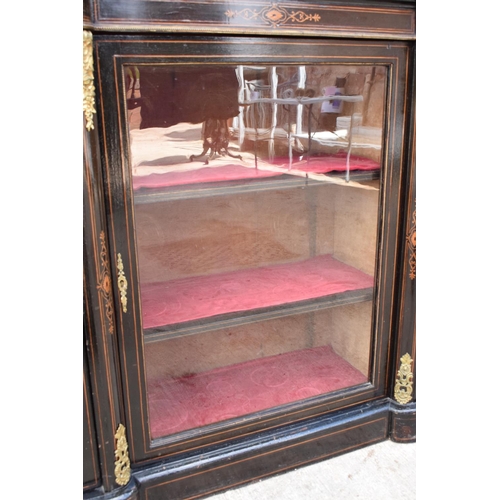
(252, 188)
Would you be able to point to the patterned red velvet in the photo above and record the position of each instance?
(187, 299)
(205, 398)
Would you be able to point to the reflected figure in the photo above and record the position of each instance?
(272, 120)
(216, 139)
(192, 95)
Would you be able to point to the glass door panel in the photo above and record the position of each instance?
(256, 197)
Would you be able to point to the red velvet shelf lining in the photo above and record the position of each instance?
(198, 297)
(231, 172)
(200, 399)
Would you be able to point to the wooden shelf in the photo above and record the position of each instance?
(279, 181)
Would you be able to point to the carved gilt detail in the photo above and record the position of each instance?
(122, 462)
(122, 283)
(404, 382)
(88, 80)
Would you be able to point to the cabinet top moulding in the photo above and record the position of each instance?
(362, 19)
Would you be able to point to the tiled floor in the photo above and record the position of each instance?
(385, 471)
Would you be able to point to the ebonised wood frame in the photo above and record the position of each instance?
(112, 53)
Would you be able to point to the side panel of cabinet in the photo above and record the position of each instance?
(99, 340)
(407, 312)
(91, 474)
(404, 357)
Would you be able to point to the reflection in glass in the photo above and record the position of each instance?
(256, 208)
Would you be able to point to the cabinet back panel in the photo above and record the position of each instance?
(196, 237)
(347, 329)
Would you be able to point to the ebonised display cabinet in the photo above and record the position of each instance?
(249, 239)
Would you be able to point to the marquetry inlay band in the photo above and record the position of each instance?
(411, 241)
(275, 15)
(104, 283)
(404, 381)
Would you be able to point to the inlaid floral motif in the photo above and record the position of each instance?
(104, 283)
(411, 240)
(274, 15)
